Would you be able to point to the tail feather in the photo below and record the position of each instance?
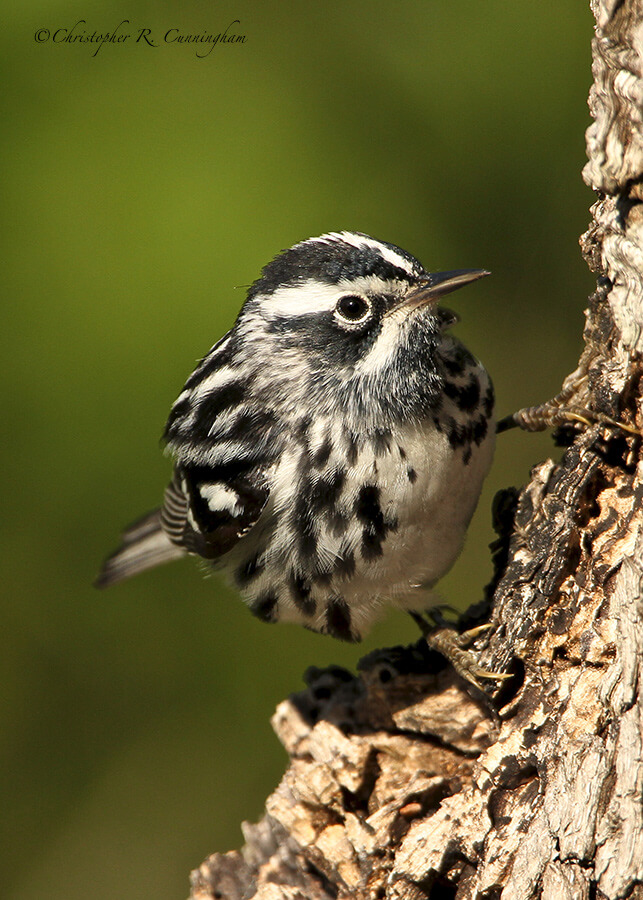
(145, 545)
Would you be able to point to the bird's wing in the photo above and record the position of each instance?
(223, 440)
(200, 515)
(207, 515)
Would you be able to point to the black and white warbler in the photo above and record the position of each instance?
(330, 449)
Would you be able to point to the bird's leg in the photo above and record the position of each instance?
(561, 410)
(448, 642)
(548, 415)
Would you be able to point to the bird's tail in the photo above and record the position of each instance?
(145, 545)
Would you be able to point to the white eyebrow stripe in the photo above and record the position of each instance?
(312, 297)
(301, 299)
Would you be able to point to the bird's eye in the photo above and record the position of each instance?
(352, 309)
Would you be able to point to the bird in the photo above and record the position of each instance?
(329, 451)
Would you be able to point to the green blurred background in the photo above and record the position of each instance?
(141, 187)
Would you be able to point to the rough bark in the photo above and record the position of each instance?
(403, 783)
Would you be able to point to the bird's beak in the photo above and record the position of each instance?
(437, 285)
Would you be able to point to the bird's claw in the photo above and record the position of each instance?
(552, 415)
(453, 646)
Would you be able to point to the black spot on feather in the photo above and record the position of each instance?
(338, 620)
(322, 454)
(325, 491)
(264, 607)
(369, 513)
(300, 592)
(345, 564)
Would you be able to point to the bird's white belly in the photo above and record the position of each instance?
(422, 496)
(434, 512)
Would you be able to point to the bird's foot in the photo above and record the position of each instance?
(453, 646)
(552, 415)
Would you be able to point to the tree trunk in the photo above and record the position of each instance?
(407, 784)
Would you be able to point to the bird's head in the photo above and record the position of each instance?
(340, 325)
(350, 317)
